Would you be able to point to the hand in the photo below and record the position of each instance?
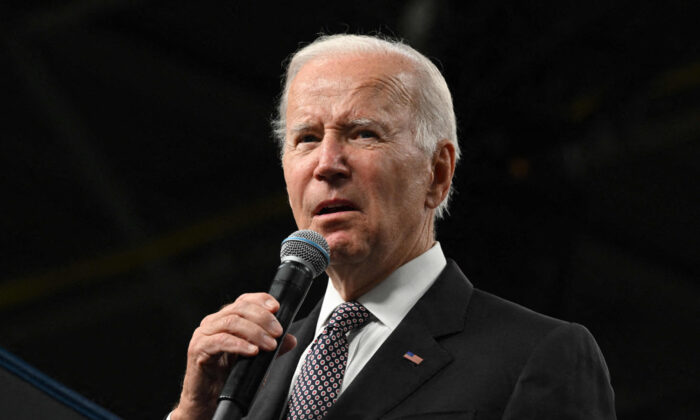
(244, 328)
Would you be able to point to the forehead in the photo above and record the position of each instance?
(353, 85)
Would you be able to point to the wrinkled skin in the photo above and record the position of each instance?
(353, 170)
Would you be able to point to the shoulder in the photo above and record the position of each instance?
(506, 355)
(501, 335)
(564, 377)
(496, 328)
(490, 312)
(521, 332)
(542, 366)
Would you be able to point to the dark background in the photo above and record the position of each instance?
(141, 188)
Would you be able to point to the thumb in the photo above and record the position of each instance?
(288, 343)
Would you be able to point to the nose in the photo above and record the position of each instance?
(332, 160)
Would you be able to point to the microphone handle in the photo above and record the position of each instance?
(290, 286)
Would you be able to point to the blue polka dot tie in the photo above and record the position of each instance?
(321, 376)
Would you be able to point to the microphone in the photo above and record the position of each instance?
(305, 254)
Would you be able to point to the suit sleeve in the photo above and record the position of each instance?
(565, 378)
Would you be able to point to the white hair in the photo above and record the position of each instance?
(435, 117)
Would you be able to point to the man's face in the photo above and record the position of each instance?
(353, 171)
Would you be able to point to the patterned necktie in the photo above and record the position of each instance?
(318, 384)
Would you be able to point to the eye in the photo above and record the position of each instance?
(367, 134)
(308, 138)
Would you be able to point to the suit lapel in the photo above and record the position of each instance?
(270, 400)
(388, 378)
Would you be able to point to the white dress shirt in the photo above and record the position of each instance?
(388, 302)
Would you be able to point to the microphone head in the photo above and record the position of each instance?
(309, 248)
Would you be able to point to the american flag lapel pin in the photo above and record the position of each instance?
(417, 360)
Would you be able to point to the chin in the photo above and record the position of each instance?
(344, 249)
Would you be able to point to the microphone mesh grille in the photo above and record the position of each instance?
(296, 245)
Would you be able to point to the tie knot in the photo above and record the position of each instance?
(348, 316)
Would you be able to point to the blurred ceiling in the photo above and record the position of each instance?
(141, 188)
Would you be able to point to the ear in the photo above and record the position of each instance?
(442, 170)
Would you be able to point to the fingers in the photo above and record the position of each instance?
(249, 309)
(248, 321)
(243, 328)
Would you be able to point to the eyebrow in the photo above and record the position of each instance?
(362, 122)
(366, 122)
(350, 125)
(298, 128)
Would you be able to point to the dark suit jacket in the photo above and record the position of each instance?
(483, 358)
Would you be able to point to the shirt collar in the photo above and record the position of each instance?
(390, 300)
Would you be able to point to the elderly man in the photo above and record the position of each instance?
(369, 148)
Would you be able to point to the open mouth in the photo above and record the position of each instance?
(334, 207)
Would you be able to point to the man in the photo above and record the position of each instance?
(369, 149)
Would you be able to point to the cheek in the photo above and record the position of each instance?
(296, 177)
(293, 188)
(296, 201)
(408, 187)
(406, 174)
(392, 195)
